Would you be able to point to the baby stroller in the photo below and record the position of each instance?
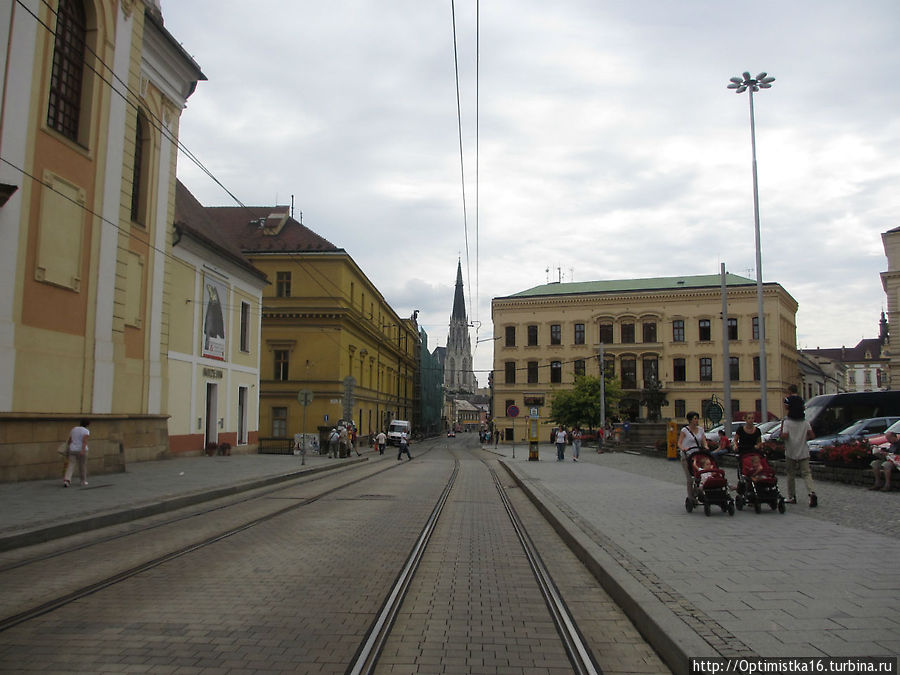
(710, 484)
(757, 484)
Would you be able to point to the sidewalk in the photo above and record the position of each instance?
(35, 511)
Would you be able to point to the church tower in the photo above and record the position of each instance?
(458, 375)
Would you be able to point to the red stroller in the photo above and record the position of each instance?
(757, 484)
(710, 484)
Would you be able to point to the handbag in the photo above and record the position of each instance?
(63, 448)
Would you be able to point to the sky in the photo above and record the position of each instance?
(599, 141)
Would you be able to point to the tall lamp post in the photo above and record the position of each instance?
(751, 85)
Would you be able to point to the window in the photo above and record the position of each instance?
(609, 367)
(678, 330)
(627, 333)
(555, 334)
(283, 284)
(735, 409)
(705, 333)
(606, 333)
(705, 370)
(532, 336)
(649, 331)
(756, 368)
(281, 364)
(279, 422)
(556, 371)
(510, 336)
(141, 171)
(756, 328)
(680, 410)
(734, 371)
(67, 75)
(509, 402)
(509, 369)
(651, 369)
(629, 373)
(679, 370)
(579, 368)
(532, 372)
(579, 333)
(732, 329)
(245, 327)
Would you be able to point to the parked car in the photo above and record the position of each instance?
(861, 429)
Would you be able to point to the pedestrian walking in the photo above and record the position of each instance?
(404, 446)
(600, 433)
(560, 440)
(381, 441)
(576, 444)
(690, 440)
(77, 449)
(353, 444)
(334, 439)
(496, 438)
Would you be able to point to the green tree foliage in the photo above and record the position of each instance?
(580, 406)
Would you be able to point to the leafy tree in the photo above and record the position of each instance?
(580, 406)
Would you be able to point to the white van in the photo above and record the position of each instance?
(397, 427)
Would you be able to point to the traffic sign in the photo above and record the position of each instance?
(304, 397)
(512, 411)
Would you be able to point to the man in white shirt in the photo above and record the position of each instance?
(796, 433)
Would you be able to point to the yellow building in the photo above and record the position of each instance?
(326, 329)
(214, 336)
(668, 329)
(92, 94)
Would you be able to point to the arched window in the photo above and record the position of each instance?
(67, 75)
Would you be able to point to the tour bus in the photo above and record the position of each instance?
(395, 429)
(829, 413)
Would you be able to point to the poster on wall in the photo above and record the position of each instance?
(215, 295)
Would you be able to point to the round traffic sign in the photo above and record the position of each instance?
(304, 397)
(512, 411)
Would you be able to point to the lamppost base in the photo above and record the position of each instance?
(533, 452)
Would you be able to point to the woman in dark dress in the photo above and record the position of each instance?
(748, 437)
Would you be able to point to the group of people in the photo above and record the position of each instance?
(795, 431)
(885, 462)
(342, 441)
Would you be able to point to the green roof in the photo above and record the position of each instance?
(629, 285)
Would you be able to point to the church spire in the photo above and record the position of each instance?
(459, 301)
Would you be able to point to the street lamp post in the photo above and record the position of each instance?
(751, 85)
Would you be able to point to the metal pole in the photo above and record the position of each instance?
(303, 441)
(726, 361)
(763, 403)
(602, 390)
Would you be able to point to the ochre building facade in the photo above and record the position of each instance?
(665, 329)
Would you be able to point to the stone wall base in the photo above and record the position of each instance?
(29, 443)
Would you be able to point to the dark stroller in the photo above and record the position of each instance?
(710, 484)
(757, 484)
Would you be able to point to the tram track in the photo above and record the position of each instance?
(582, 660)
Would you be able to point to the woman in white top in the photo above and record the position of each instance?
(77, 445)
(690, 440)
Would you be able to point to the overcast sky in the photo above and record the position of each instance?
(610, 147)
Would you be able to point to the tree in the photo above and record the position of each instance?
(580, 405)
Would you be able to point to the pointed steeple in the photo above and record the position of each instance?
(459, 301)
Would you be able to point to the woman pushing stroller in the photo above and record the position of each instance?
(691, 439)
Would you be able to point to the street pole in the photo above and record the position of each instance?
(602, 389)
(726, 361)
(750, 85)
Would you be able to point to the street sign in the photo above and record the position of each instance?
(714, 412)
(512, 411)
(304, 397)
(534, 413)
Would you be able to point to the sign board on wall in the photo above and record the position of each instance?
(215, 297)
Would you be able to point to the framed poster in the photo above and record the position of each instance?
(215, 295)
